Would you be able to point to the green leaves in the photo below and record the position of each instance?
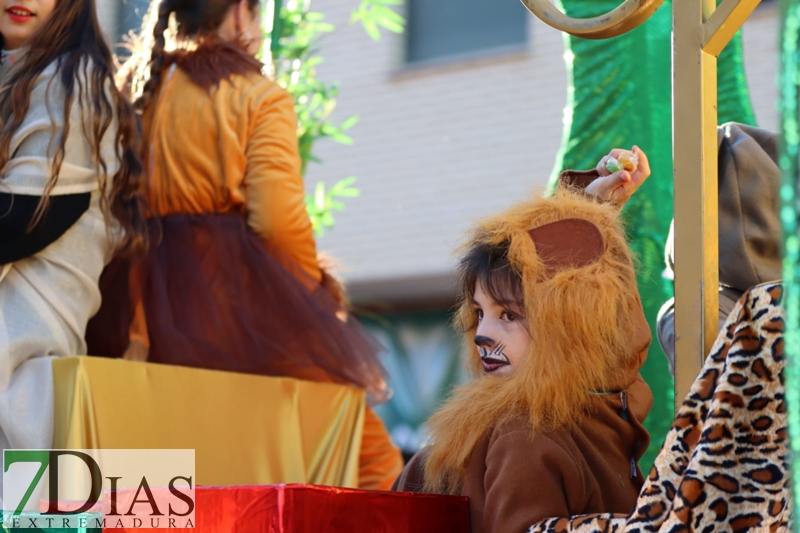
(376, 14)
(295, 58)
(322, 203)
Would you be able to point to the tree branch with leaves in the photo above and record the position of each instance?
(291, 41)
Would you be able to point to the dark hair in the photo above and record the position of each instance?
(72, 39)
(197, 20)
(488, 265)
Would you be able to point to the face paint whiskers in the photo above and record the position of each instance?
(494, 358)
(498, 352)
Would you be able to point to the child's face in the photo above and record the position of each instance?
(501, 338)
(21, 18)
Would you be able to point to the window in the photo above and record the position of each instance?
(441, 28)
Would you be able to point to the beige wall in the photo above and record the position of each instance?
(435, 148)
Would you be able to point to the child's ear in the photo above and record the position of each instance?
(566, 244)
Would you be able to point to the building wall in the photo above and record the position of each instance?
(436, 146)
(440, 145)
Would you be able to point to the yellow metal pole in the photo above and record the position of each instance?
(694, 94)
(700, 33)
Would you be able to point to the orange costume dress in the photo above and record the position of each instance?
(233, 281)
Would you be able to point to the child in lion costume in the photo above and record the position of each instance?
(551, 424)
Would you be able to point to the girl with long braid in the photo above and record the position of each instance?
(70, 195)
(232, 281)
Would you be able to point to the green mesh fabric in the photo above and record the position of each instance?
(790, 141)
(620, 94)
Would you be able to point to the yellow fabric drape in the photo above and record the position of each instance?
(245, 429)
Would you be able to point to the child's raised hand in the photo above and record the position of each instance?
(617, 187)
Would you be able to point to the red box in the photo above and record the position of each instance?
(298, 508)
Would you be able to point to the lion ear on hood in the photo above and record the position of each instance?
(567, 244)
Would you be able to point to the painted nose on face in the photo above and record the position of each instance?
(483, 341)
(485, 334)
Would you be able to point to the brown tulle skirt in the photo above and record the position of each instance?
(214, 297)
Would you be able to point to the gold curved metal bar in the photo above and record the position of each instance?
(619, 20)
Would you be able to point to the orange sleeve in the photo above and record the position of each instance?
(275, 196)
(379, 462)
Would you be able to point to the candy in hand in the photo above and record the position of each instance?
(613, 165)
(629, 160)
(626, 161)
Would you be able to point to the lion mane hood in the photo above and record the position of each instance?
(588, 330)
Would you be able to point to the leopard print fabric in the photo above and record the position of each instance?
(723, 466)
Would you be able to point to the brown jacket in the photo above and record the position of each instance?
(516, 477)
